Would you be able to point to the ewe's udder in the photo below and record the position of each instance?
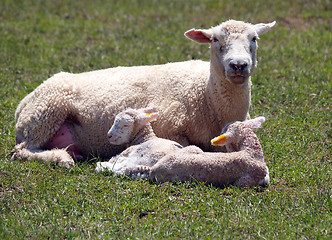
(62, 139)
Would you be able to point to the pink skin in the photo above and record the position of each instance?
(64, 139)
(112, 140)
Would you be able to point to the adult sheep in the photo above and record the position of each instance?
(69, 114)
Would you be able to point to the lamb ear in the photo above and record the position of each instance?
(255, 123)
(153, 109)
(221, 140)
(147, 115)
(263, 27)
(200, 36)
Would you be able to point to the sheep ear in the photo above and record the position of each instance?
(263, 27)
(146, 117)
(255, 123)
(149, 109)
(200, 36)
(221, 140)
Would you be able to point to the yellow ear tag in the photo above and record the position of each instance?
(148, 114)
(218, 140)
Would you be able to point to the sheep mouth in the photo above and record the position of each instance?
(237, 78)
(114, 140)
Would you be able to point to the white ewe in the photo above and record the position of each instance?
(195, 98)
(132, 127)
(243, 164)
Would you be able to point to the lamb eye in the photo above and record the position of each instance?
(215, 40)
(254, 39)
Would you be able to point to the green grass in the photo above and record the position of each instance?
(292, 89)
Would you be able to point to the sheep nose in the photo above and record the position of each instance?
(238, 65)
(109, 136)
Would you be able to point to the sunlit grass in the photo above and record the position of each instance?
(292, 89)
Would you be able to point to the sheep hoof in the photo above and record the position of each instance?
(14, 157)
(139, 171)
(67, 163)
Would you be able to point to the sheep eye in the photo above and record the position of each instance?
(221, 44)
(254, 39)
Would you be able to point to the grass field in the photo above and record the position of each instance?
(292, 89)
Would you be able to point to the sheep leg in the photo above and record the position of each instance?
(41, 124)
(266, 180)
(246, 181)
(103, 166)
(59, 156)
(139, 171)
(37, 130)
(136, 171)
(42, 113)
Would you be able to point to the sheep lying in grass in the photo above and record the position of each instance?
(196, 99)
(162, 160)
(242, 165)
(132, 127)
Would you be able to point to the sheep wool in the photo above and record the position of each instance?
(163, 160)
(195, 98)
(132, 127)
(242, 165)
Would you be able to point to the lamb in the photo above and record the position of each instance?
(132, 127)
(196, 99)
(165, 160)
(242, 165)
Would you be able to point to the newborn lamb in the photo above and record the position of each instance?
(132, 127)
(163, 160)
(242, 165)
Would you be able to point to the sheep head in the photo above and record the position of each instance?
(234, 133)
(128, 123)
(233, 46)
